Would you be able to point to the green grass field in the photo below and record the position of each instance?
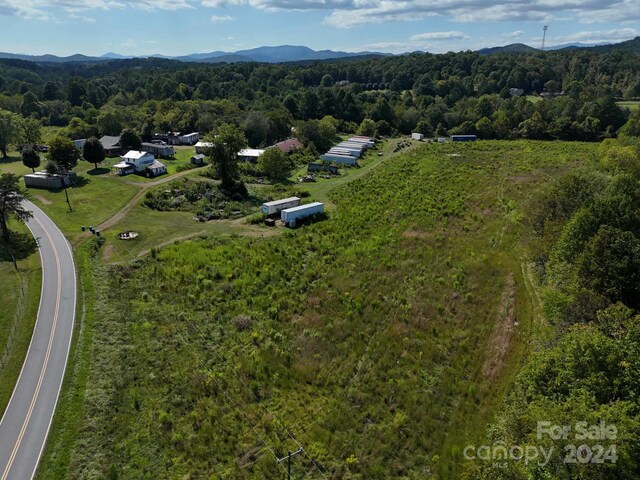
(372, 337)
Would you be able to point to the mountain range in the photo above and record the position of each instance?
(628, 45)
(293, 53)
(278, 54)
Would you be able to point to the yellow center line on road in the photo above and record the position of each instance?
(46, 358)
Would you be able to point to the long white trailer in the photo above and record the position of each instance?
(276, 206)
(291, 215)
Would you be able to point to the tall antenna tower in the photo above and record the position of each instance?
(544, 35)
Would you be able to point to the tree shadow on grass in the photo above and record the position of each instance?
(21, 245)
(98, 171)
(79, 181)
(9, 159)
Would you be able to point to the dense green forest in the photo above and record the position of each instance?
(462, 92)
(584, 244)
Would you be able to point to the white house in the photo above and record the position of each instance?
(140, 162)
(417, 136)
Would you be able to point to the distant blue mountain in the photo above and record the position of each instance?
(284, 53)
(575, 45)
(293, 53)
(113, 56)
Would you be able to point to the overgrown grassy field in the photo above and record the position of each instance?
(380, 339)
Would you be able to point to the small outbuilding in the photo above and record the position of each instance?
(198, 159)
(417, 136)
(80, 143)
(50, 181)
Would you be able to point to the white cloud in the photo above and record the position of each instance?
(350, 13)
(599, 36)
(516, 34)
(40, 8)
(439, 36)
(221, 18)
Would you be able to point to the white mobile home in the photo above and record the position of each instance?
(191, 138)
(353, 151)
(291, 215)
(250, 154)
(161, 150)
(417, 136)
(366, 143)
(338, 158)
(271, 208)
(202, 147)
(354, 145)
(344, 151)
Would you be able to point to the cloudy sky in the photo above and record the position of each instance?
(177, 27)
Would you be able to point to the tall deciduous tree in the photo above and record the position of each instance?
(129, 140)
(63, 153)
(10, 130)
(30, 158)
(224, 153)
(93, 151)
(11, 197)
(32, 131)
(275, 164)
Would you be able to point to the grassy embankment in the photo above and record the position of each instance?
(383, 337)
(19, 300)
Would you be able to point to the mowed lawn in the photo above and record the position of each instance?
(97, 194)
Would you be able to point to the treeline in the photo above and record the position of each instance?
(585, 250)
(435, 94)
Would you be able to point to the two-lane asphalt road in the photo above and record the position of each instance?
(25, 424)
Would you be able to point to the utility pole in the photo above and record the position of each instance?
(288, 459)
(544, 35)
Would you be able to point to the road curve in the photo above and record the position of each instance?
(26, 421)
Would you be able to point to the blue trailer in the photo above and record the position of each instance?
(291, 215)
(463, 138)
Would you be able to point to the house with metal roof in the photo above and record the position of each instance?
(111, 145)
